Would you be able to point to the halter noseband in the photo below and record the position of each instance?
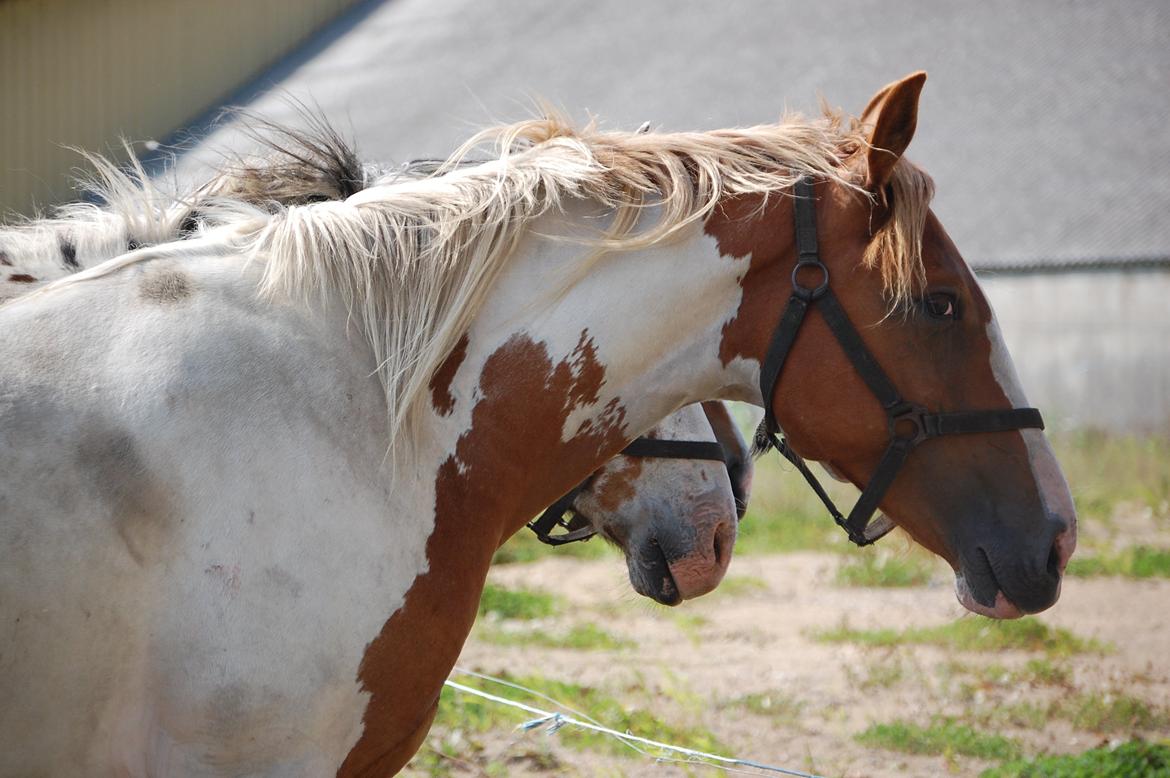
(909, 424)
(650, 448)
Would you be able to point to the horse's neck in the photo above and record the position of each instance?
(544, 391)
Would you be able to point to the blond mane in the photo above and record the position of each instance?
(414, 259)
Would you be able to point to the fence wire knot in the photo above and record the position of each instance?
(555, 721)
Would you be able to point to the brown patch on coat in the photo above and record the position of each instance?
(616, 482)
(165, 286)
(441, 397)
(22, 278)
(508, 465)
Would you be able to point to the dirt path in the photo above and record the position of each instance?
(696, 666)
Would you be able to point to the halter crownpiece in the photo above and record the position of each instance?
(577, 528)
(909, 424)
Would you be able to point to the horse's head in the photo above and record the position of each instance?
(993, 504)
(674, 519)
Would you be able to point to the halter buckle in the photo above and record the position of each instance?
(907, 424)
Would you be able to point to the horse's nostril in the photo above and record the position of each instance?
(1054, 560)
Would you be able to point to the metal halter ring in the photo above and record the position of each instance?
(804, 292)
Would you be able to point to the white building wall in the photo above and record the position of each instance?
(1092, 348)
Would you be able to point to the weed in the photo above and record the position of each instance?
(942, 736)
(1129, 760)
(523, 604)
(972, 634)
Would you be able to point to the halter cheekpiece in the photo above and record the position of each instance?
(909, 424)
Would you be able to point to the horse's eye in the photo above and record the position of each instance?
(941, 305)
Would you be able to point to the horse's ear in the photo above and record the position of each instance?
(893, 114)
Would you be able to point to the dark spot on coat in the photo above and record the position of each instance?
(165, 286)
(69, 254)
(4, 260)
(133, 244)
(441, 397)
(141, 506)
(21, 278)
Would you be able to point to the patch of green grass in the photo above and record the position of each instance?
(876, 569)
(1097, 712)
(1022, 715)
(778, 706)
(523, 604)
(1135, 759)
(581, 637)
(740, 585)
(943, 736)
(1105, 471)
(974, 677)
(1133, 562)
(461, 711)
(1043, 672)
(1111, 712)
(972, 634)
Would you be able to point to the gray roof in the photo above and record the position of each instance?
(1044, 124)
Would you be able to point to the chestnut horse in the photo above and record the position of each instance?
(642, 504)
(161, 623)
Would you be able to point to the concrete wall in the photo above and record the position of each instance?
(1092, 348)
(85, 72)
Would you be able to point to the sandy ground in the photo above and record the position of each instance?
(691, 664)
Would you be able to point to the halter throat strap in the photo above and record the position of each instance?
(909, 424)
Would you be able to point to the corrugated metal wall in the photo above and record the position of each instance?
(85, 72)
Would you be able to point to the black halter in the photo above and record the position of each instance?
(909, 424)
(577, 528)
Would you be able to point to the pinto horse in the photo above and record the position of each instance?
(239, 535)
(646, 505)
